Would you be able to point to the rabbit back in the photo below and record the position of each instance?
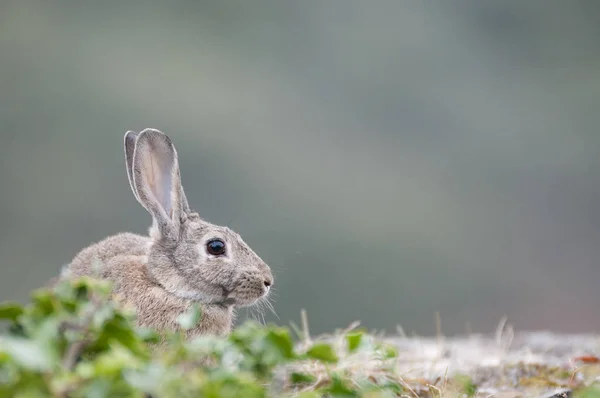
(93, 259)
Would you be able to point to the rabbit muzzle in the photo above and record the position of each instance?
(250, 289)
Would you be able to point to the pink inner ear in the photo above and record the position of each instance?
(158, 176)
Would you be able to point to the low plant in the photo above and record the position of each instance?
(72, 341)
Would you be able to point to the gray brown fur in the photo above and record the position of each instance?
(163, 274)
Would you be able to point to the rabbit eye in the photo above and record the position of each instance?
(216, 247)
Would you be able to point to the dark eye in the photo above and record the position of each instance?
(216, 247)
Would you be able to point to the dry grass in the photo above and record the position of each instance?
(503, 365)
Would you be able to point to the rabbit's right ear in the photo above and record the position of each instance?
(130, 138)
(155, 179)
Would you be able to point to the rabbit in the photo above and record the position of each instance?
(184, 260)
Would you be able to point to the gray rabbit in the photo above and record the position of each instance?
(184, 260)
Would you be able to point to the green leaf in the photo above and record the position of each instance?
(281, 338)
(353, 340)
(148, 335)
(10, 310)
(102, 316)
(148, 380)
(114, 361)
(339, 389)
(29, 354)
(310, 394)
(190, 318)
(120, 330)
(323, 352)
(98, 388)
(468, 386)
(387, 351)
(31, 391)
(44, 302)
(302, 378)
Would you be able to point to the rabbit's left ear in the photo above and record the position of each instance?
(156, 179)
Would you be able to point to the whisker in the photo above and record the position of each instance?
(273, 293)
(264, 307)
(247, 314)
(261, 315)
(264, 304)
(257, 313)
(271, 308)
(254, 316)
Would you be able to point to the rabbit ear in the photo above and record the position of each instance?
(156, 180)
(185, 207)
(130, 138)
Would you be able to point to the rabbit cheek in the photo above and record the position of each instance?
(206, 273)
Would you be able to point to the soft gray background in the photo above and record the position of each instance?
(389, 159)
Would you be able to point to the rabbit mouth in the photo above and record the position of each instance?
(232, 301)
(230, 298)
(227, 302)
(246, 301)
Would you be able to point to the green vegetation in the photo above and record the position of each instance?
(73, 342)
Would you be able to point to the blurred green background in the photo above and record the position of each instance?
(388, 159)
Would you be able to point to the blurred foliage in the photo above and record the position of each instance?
(72, 341)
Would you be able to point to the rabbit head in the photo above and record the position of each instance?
(187, 256)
